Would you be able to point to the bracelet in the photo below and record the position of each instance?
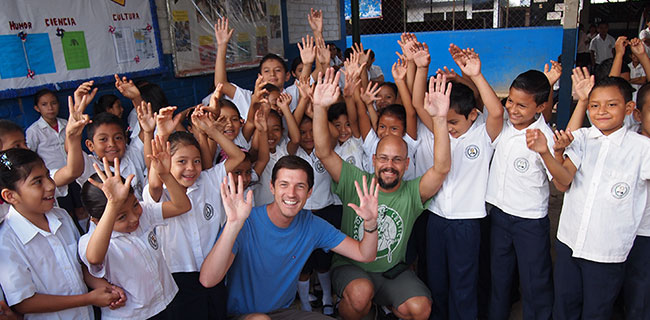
(371, 230)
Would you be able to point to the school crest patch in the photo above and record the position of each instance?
(350, 160)
(391, 231)
(472, 152)
(620, 190)
(521, 164)
(318, 166)
(208, 211)
(153, 240)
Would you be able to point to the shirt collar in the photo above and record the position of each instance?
(44, 125)
(25, 230)
(615, 137)
(537, 124)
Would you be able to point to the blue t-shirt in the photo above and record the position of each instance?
(268, 260)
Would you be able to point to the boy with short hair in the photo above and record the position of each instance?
(603, 204)
(602, 46)
(518, 189)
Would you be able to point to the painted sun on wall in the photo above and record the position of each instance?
(368, 9)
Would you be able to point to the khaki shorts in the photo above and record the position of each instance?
(388, 292)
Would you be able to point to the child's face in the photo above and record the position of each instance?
(644, 118)
(47, 106)
(634, 59)
(273, 72)
(186, 165)
(128, 219)
(245, 170)
(602, 29)
(109, 141)
(116, 109)
(458, 124)
(390, 124)
(35, 194)
(273, 99)
(275, 131)
(298, 71)
(233, 123)
(522, 108)
(14, 139)
(306, 136)
(607, 109)
(343, 125)
(386, 97)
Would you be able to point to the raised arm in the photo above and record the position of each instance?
(128, 89)
(326, 93)
(366, 249)
(223, 34)
(399, 70)
(470, 64)
(77, 120)
(256, 99)
(351, 88)
(562, 170)
(639, 51)
(366, 113)
(407, 42)
(421, 58)
(582, 84)
(237, 210)
(617, 64)
(147, 121)
(261, 130)
(292, 125)
(307, 56)
(436, 103)
(553, 75)
(161, 163)
(206, 122)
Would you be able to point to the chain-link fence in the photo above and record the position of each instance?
(396, 16)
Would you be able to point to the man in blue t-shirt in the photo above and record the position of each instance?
(263, 250)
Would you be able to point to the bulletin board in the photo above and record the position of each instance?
(257, 25)
(59, 43)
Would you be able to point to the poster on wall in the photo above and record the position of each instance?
(257, 25)
(59, 43)
(368, 9)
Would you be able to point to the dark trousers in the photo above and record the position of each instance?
(524, 243)
(637, 280)
(194, 301)
(584, 289)
(452, 261)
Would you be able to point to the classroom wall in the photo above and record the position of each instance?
(504, 53)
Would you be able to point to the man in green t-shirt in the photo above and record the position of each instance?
(400, 203)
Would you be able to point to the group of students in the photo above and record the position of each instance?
(163, 225)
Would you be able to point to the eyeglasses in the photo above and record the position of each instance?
(382, 158)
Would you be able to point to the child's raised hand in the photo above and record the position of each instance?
(103, 296)
(352, 67)
(407, 42)
(368, 200)
(161, 159)
(536, 141)
(637, 47)
(323, 53)
(146, 117)
(307, 50)
(436, 101)
(166, 122)
(222, 32)
(260, 120)
(283, 102)
(221, 123)
(237, 208)
(421, 55)
(119, 302)
(259, 91)
(364, 56)
(306, 90)
(85, 89)
(399, 69)
(315, 19)
(369, 94)
(553, 74)
(126, 87)
(214, 105)
(327, 89)
(620, 44)
(467, 60)
(350, 88)
(449, 73)
(115, 190)
(562, 140)
(582, 82)
(77, 120)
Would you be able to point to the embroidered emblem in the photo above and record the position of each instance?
(620, 190)
(153, 241)
(208, 211)
(472, 152)
(350, 160)
(521, 165)
(319, 167)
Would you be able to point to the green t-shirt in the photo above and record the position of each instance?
(397, 213)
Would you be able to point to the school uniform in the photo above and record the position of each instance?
(600, 217)
(453, 229)
(47, 142)
(370, 147)
(262, 194)
(131, 163)
(518, 189)
(350, 151)
(636, 285)
(135, 263)
(36, 261)
(242, 99)
(602, 48)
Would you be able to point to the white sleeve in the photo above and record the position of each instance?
(575, 150)
(242, 100)
(32, 138)
(88, 169)
(216, 173)
(15, 275)
(135, 153)
(152, 215)
(95, 270)
(59, 191)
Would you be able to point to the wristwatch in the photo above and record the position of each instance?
(371, 230)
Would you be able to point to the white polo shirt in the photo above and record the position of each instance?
(131, 163)
(350, 151)
(188, 238)
(321, 194)
(518, 179)
(36, 261)
(602, 48)
(644, 226)
(370, 147)
(134, 262)
(243, 97)
(48, 143)
(262, 193)
(462, 195)
(603, 207)
(635, 72)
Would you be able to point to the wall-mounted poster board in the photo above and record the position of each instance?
(258, 31)
(58, 43)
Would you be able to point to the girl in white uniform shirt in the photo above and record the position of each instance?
(40, 273)
(121, 244)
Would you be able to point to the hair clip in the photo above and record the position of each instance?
(5, 161)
